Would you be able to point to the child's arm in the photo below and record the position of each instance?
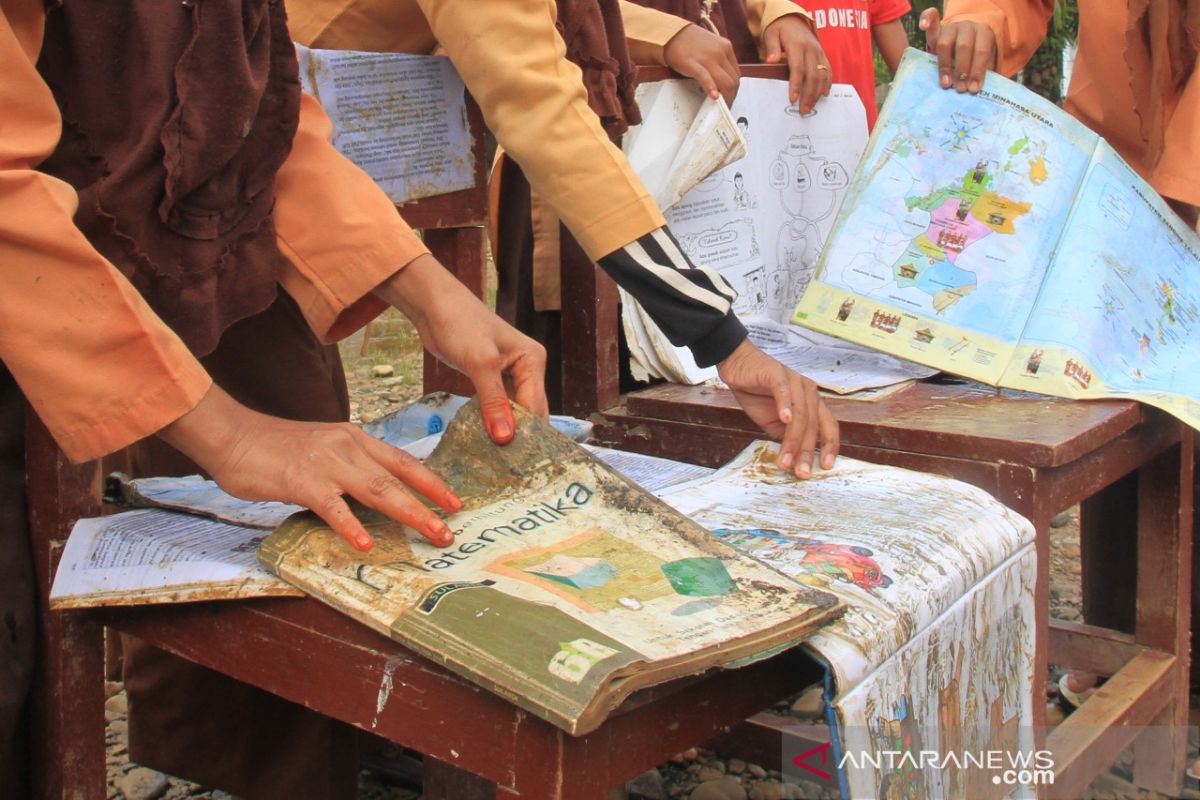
(891, 40)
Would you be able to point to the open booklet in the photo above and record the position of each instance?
(567, 586)
(155, 555)
(760, 222)
(996, 237)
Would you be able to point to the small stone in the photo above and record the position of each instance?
(808, 789)
(1060, 519)
(142, 784)
(396, 380)
(723, 788)
(757, 771)
(648, 785)
(118, 726)
(117, 704)
(737, 766)
(710, 773)
(767, 790)
(382, 370)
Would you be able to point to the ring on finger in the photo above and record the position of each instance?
(823, 67)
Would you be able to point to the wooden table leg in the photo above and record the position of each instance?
(1164, 591)
(589, 340)
(1021, 492)
(68, 702)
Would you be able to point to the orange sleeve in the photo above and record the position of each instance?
(514, 63)
(99, 367)
(647, 32)
(761, 13)
(1019, 25)
(341, 236)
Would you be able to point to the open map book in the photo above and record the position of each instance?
(567, 587)
(996, 237)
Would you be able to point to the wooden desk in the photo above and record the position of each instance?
(476, 745)
(1039, 456)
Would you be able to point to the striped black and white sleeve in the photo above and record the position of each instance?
(692, 305)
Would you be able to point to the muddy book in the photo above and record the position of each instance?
(567, 587)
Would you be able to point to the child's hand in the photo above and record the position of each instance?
(707, 57)
(791, 40)
(965, 50)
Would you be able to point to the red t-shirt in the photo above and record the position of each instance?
(844, 28)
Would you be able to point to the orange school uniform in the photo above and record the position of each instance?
(100, 368)
(1109, 89)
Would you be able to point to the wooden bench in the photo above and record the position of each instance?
(475, 744)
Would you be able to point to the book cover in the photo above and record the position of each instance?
(567, 587)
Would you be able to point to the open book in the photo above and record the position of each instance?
(760, 222)
(567, 587)
(996, 237)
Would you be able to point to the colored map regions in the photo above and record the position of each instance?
(959, 217)
(1124, 290)
(958, 204)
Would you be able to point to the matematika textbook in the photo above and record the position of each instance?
(996, 237)
(567, 587)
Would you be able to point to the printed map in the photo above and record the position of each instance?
(1126, 286)
(995, 237)
(956, 210)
